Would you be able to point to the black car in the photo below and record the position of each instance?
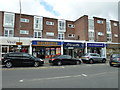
(21, 59)
(64, 59)
(114, 60)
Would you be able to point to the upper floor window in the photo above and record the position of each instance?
(91, 36)
(109, 37)
(49, 23)
(37, 34)
(115, 24)
(8, 32)
(61, 36)
(71, 35)
(24, 20)
(100, 33)
(108, 27)
(9, 19)
(62, 25)
(91, 24)
(24, 32)
(49, 33)
(71, 25)
(100, 21)
(38, 22)
(116, 35)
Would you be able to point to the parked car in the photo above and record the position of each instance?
(64, 59)
(21, 59)
(114, 60)
(93, 57)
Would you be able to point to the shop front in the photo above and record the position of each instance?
(112, 48)
(99, 48)
(10, 44)
(74, 49)
(46, 49)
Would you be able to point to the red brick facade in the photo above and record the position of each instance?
(79, 31)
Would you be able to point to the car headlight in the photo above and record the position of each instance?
(41, 60)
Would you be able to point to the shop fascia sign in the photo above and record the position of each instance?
(71, 44)
(95, 45)
(46, 43)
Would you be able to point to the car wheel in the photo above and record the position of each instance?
(91, 61)
(59, 63)
(36, 64)
(78, 62)
(104, 60)
(8, 64)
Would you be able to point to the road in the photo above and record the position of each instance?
(99, 75)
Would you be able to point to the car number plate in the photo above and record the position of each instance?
(114, 63)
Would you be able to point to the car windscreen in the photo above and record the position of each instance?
(115, 55)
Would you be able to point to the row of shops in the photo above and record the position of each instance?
(46, 48)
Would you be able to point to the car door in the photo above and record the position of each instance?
(16, 59)
(98, 58)
(68, 59)
(94, 57)
(27, 60)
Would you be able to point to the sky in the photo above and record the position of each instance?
(64, 9)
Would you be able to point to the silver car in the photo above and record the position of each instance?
(93, 57)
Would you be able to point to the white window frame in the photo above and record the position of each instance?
(100, 34)
(91, 24)
(40, 23)
(8, 30)
(71, 25)
(109, 37)
(91, 34)
(24, 20)
(116, 35)
(24, 32)
(115, 24)
(61, 35)
(49, 33)
(37, 32)
(100, 21)
(71, 35)
(10, 22)
(49, 23)
(61, 28)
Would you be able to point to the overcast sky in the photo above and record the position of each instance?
(64, 9)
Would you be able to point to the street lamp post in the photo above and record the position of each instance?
(19, 46)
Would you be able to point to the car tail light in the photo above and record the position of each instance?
(118, 59)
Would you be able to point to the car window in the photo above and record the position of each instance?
(64, 57)
(94, 54)
(15, 55)
(115, 55)
(68, 57)
(26, 55)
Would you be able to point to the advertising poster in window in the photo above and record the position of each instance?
(57, 51)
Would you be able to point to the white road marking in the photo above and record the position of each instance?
(84, 75)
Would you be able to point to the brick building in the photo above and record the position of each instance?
(96, 30)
